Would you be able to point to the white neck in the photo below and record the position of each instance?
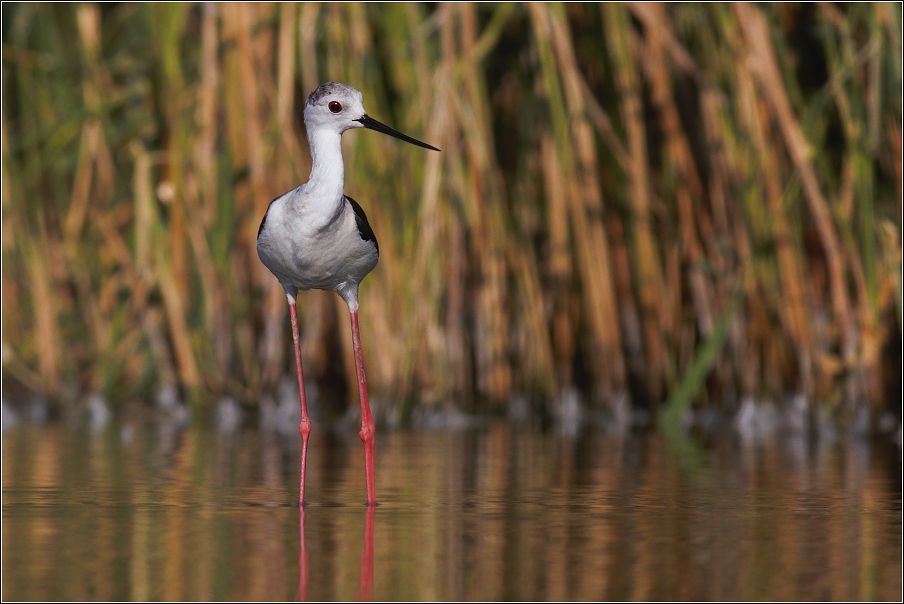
(327, 180)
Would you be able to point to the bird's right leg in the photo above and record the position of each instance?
(367, 422)
(305, 427)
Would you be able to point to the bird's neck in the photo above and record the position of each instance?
(327, 178)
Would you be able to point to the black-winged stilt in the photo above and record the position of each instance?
(316, 237)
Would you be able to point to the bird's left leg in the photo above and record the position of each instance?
(305, 427)
(367, 422)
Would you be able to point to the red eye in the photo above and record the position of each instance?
(335, 107)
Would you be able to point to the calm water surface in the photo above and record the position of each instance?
(148, 512)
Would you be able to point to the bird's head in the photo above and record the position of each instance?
(339, 107)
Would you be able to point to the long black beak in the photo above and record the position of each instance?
(373, 124)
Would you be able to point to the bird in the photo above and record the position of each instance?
(317, 237)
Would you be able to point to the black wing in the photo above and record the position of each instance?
(367, 233)
(264, 219)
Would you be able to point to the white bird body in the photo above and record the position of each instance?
(310, 245)
(317, 237)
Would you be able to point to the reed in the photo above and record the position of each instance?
(611, 180)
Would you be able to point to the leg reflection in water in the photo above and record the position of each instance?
(302, 558)
(366, 586)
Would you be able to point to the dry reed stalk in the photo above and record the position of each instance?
(13, 295)
(456, 355)
(307, 45)
(558, 266)
(98, 328)
(174, 305)
(603, 125)
(239, 118)
(181, 188)
(484, 197)
(419, 84)
(426, 285)
(78, 265)
(652, 16)
(94, 181)
(586, 211)
(681, 177)
(562, 208)
(201, 193)
(285, 90)
(254, 85)
(167, 22)
(144, 212)
(730, 183)
(463, 325)
(458, 321)
(763, 62)
(657, 319)
(213, 297)
(677, 157)
(145, 225)
(256, 90)
(185, 185)
(152, 268)
(629, 317)
(711, 107)
(793, 310)
(858, 108)
(124, 359)
(762, 166)
(205, 145)
(47, 333)
(291, 164)
(763, 162)
(81, 188)
(536, 358)
(437, 363)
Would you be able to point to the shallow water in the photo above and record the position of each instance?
(145, 511)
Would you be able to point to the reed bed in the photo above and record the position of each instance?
(635, 201)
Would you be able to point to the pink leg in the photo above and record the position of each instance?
(367, 422)
(305, 427)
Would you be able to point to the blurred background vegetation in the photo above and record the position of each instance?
(634, 202)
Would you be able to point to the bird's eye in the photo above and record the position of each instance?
(335, 107)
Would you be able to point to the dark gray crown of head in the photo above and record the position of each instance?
(322, 91)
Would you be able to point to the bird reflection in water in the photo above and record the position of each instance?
(366, 584)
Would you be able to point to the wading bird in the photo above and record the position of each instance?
(317, 237)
